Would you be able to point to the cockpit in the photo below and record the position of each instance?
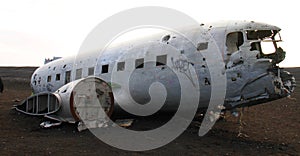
(266, 42)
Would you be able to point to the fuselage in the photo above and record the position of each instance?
(252, 74)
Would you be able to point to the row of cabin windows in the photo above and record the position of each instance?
(68, 75)
(79, 72)
(57, 78)
(139, 63)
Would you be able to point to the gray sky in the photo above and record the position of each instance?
(32, 30)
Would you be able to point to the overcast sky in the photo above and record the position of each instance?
(32, 30)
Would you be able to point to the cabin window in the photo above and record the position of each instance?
(78, 73)
(139, 63)
(67, 77)
(161, 60)
(91, 71)
(121, 66)
(49, 78)
(233, 41)
(104, 68)
(57, 78)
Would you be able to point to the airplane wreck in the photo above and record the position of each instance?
(65, 91)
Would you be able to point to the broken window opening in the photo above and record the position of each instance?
(104, 69)
(57, 78)
(67, 77)
(78, 73)
(121, 66)
(49, 78)
(139, 63)
(268, 40)
(267, 48)
(255, 46)
(267, 43)
(161, 60)
(91, 71)
(233, 41)
(260, 34)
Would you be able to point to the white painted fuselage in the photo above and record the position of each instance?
(160, 65)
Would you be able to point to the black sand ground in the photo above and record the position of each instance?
(272, 128)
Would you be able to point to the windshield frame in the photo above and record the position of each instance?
(262, 37)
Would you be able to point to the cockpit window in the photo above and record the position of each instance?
(233, 41)
(267, 43)
(265, 40)
(268, 47)
(259, 34)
